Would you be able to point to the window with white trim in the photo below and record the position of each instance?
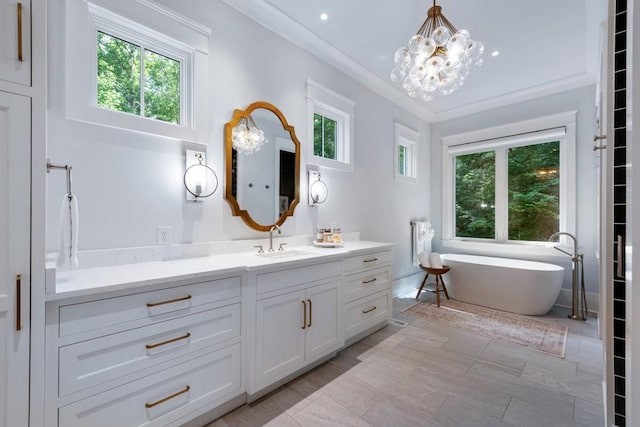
(406, 153)
(330, 127)
(138, 77)
(517, 188)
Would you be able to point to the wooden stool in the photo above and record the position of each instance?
(438, 272)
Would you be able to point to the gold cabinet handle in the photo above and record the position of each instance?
(18, 302)
(369, 310)
(364, 282)
(304, 314)
(310, 313)
(19, 31)
(154, 304)
(164, 399)
(159, 344)
(370, 260)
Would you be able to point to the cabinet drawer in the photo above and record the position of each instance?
(163, 397)
(366, 283)
(281, 279)
(108, 358)
(364, 313)
(362, 262)
(148, 306)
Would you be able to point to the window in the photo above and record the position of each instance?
(330, 128)
(135, 80)
(517, 188)
(325, 134)
(123, 71)
(406, 154)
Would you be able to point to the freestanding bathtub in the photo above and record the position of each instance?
(518, 286)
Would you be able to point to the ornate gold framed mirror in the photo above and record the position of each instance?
(262, 166)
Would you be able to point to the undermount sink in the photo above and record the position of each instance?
(283, 254)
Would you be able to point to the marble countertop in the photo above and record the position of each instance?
(94, 281)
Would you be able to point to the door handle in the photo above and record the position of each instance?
(18, 302)
(19, 31)
(620, 257)
(310, 313)
(304, 314)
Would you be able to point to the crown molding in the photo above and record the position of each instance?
(573, 82)
(281, 24)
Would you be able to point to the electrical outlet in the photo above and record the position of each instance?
(163, 235)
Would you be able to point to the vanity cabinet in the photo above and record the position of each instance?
(298, 320)
(367, 292)
(15, 41)
(149, 358)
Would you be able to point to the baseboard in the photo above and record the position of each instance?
(564, 300)
(407, 284)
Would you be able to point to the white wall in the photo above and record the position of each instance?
(583, 101)
(127, 184)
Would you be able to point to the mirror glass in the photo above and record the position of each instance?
(261, 185)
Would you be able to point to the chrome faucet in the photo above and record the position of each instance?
(274, 227)
(575, 243)
(575, 289)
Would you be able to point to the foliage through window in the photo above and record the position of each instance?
(532, 186)
(325, 131)
(135, 80)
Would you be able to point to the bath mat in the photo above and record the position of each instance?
(526, 331)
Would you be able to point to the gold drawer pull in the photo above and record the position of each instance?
(19, 31)
(369, 310)
(183, 337)
(370, 260)
(164, 399)
(153, 304)
(304, 311)
(364, 282)
(18, 302)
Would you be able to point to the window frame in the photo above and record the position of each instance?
(142, 24)
(408, 138)
(530, 132)
(330, 104)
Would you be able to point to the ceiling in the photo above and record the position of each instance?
(545, 46)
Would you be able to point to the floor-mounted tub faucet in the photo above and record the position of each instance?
(274, 227)
(575, 289)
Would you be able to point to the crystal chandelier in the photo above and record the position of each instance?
(437, 59)
(246, 137)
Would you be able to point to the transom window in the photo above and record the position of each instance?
(518, 187)
(406, 153)
(329, 127)
(325, 137)
(138, 81)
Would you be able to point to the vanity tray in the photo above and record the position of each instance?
(327, 244)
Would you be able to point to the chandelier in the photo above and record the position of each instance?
(246, 137)
(437, 60)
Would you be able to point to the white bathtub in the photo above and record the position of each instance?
(523, 287)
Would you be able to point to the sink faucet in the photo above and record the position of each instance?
(274, 227)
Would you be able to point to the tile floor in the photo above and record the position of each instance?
(427, 374)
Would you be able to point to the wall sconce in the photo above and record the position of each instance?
(199, 179)
(318, 190)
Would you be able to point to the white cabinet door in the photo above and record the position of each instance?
(324, 320)
(15, 172)
(15, 41)
(280, 332)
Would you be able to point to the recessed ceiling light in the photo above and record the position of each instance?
(495, 53)
(324, 16)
